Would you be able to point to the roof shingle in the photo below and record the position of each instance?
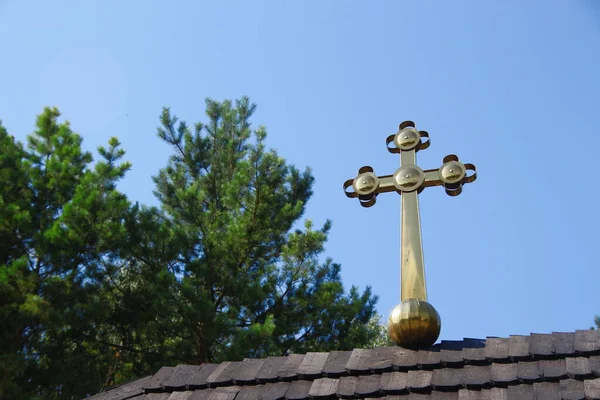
(550, 366)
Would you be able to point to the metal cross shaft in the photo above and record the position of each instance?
(409, 180)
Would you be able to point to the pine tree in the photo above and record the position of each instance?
(60, 221)
(223, 258)
(95, 291)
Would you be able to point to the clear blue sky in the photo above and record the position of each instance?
(511, 86)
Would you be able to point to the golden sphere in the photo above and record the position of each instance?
(366, 183)
(409, 178)
(414, 324)
(407, 138)
(452, 172)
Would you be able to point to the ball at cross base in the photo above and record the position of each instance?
(414, 324)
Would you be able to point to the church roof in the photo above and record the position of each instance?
(538, 366)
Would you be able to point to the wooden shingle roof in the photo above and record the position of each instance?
(538, 366)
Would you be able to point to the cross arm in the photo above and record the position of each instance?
(452, 175)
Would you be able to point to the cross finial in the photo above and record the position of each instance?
(414, 323)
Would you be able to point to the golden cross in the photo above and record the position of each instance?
(414, 322)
